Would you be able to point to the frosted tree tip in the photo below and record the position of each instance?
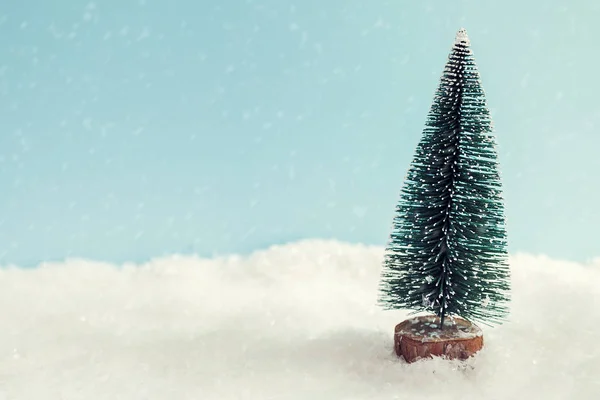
(462, 37)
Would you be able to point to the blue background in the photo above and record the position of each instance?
(131, 129)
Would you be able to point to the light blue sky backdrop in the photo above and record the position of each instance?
(135, 128)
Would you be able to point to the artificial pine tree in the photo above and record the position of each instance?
(447, 250)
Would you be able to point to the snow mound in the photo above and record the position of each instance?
(291, 322)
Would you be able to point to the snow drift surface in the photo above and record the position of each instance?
(292, 322)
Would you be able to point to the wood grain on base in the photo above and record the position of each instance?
(421, 337)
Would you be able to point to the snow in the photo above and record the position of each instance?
(291, 322)
(462, 37)
(426, 329)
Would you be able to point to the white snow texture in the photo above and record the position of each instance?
(462, 37)
(292, 322)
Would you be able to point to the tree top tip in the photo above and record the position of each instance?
(462, 37)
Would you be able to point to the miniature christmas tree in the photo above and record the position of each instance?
(447, 251)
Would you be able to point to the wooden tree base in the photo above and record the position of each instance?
(421, 337)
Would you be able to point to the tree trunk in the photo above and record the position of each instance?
(421, 337)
